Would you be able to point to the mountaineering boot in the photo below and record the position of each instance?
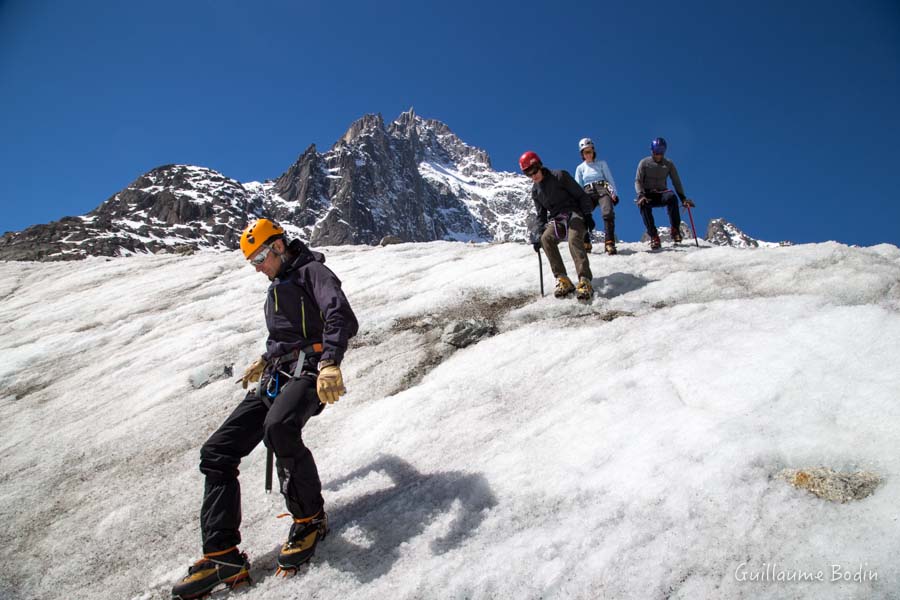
(584, 291)
(655, 243)
(227, 567)
(609, 235)
(676, 235)
(301, 543)
(564, 287)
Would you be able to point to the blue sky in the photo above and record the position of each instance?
(782, 117)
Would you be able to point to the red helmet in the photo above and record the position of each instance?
(528, 159)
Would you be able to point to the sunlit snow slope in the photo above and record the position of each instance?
(624, 449)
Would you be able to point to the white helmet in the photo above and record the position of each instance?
(585, 143)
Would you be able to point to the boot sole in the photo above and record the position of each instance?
(232, 583)
(291, 570)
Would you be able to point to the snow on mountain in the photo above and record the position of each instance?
(499, 201)
(495, 198)
(624, 449)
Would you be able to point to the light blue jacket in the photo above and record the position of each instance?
(597, 170)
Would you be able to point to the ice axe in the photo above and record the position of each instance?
(541, 271)
(693, 229)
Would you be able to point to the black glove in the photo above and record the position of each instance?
(615, 200)
(536, 246)
(642, 200)
(589, 222)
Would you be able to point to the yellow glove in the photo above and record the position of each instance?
(253, 372)
(330, 384)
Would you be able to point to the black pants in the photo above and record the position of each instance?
(658, 200)
(250, 423)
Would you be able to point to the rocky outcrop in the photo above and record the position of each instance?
(831, 485)
(722, 233)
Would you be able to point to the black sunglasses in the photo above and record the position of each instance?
(532, 170)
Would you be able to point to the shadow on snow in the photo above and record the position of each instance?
(387, 518)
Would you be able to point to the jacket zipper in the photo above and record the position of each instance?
(303, 315)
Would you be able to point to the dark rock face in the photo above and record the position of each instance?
(412, 179)
(722, 233)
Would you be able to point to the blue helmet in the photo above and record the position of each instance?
(658, 146)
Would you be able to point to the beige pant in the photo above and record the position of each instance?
(576, 247)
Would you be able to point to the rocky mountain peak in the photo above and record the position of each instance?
(366, 125)
(406, 120)
(433, 141)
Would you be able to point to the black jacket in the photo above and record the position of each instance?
(557, 193)
(305, 306)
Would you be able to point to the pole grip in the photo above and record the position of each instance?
(269, 459)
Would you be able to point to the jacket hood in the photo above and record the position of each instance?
(301, 255)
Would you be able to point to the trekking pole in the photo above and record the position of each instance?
(269, 455)
(541, 271)
(692, 225)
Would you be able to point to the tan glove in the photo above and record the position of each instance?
(330, 384)
(688, 203)
(253, 372)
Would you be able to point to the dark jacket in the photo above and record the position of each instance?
(557, 193)
(305, 306)
(653, 176)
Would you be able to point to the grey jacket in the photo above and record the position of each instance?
(652, 176)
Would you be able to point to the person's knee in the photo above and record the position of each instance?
(280, 435)
(217, 465)
(549, 235)
(576, 245)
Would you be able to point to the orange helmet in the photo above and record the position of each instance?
(258, 233)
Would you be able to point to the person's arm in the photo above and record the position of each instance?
(639, 180)
(579, 175)
(541, 221)
(339, 322)
(676, 181)
(607, 175)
